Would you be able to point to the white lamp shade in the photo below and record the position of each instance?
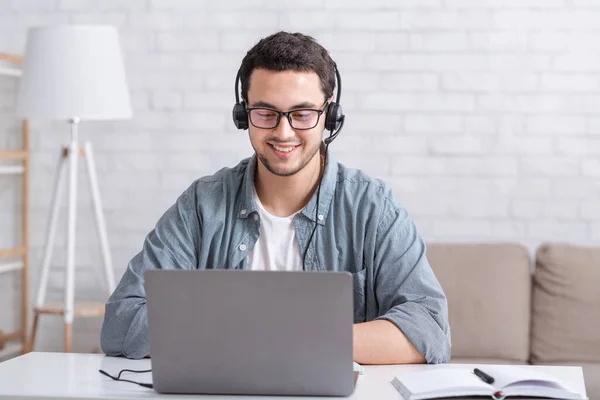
(71, 72)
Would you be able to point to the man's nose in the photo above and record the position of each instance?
(284, 129)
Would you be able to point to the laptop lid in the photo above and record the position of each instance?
(250, 332)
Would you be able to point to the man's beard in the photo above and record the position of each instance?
(273, 170)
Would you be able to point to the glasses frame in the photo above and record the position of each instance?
(286, 114)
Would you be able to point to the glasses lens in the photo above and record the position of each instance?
(268, 119)
(304, 119)
(264, 118)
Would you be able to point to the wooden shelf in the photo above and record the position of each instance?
(12, 58)
(10, 350)
(4, 338)
(11, 266)
(11, 169)
(12, 252)
(17, 256)
(80, 309)
(17, 155)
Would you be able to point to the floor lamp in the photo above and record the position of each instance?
(73, 73)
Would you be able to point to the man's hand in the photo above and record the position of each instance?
(382, 342)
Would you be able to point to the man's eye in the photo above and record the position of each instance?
(301, 114)
(267, 114)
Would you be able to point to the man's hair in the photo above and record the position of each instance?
(284, 51)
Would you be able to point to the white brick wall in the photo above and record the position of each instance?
(484, 115)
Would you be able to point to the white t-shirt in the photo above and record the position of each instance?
(277, 247)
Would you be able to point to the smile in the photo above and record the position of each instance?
(284, 149)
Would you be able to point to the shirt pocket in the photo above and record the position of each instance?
(359, 279)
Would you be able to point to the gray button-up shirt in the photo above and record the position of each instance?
(361, 229)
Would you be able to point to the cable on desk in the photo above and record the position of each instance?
(118, 377)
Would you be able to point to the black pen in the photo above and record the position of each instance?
(483, 376)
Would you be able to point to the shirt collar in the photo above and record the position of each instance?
(247, 204)
(328, 182)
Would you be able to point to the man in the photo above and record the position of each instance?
(292, 207)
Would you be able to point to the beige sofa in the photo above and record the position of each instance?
(507, 308)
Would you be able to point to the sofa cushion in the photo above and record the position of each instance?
(494, 361)
(566, 304)
(488, 287)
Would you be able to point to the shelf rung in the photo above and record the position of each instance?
(13, 155)
(9, 337)
(10, 350)
(11, 169)
(12, 252)
(12, 58)
(80, 309)
(8, 267)
(10, 71)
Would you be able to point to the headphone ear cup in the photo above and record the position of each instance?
(240, 116)
(334, 117)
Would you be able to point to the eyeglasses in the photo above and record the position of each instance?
(299, 119)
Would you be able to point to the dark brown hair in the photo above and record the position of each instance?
(284, 51)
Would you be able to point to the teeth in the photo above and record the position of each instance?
(284, 149)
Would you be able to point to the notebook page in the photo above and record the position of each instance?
(540, 389)
(509, 375)
(443, 381)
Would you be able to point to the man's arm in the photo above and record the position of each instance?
(172, 244)
(381, 342)
(413, 313)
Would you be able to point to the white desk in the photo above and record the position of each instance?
(75, 376)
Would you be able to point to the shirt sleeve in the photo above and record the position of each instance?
(172, 244)
(407, 291)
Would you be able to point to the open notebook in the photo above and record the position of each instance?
(457, 382)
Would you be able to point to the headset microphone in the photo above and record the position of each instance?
(333, 135)
(334, 120)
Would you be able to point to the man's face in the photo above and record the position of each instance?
(284, 150)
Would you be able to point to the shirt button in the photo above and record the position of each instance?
(321, 217)
(243, 212)
(242, 247)
(256, 217)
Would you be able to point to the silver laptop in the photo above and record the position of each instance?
(251, 332)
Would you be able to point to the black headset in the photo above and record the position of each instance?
(334, 117)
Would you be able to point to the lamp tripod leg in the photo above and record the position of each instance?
(51, 235)
(100, 222)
